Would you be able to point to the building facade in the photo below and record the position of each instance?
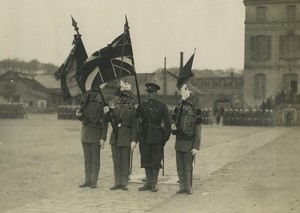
(17, 87)
(272, 49)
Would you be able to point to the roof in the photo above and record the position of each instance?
(48, 81)
(28, 79)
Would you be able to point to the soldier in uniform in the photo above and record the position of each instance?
(123, 139)
(186, 125)
(154, 132)
(93, 135)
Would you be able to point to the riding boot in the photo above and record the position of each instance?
(147, 185)
(154, 187)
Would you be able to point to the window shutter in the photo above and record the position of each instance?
(252, 46)
(298, 46)
(269, 47)
(281, 46)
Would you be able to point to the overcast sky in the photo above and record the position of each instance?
(42, 30)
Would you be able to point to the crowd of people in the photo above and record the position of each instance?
(281, 97)
(11, 110)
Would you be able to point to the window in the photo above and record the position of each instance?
(260, 47)
(261, 14)
(260, 86)
(291, 12)
(289, 46)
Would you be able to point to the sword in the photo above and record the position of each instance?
(130, 163)
(163, 161)
(193, 161)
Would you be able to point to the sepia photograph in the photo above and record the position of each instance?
(149, 106)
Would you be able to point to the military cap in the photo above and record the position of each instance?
(152, 87)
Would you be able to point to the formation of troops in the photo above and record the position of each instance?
(67, 112)
(230, 117)
(12, 111)
(248, 117)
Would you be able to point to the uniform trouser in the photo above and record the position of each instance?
(184, 169)
(121, 158)
(151, 155)
(91, 153)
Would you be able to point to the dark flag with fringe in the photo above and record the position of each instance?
(185, 73)
(67, 71)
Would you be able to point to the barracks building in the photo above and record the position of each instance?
(272, 54)
(40, 93)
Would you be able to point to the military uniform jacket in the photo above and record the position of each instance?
(155, 122)
(188, 136)
(93, 127)
(125, 125)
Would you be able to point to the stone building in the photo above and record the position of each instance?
(272, 49)
(39, 95)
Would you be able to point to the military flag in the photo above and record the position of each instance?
(185, 73)
(67, 71)
(111, 62)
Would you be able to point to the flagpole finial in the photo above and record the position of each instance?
(74, 24)
(76, 36)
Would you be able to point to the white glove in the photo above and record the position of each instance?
(102, 143)
(132, 145)
(194, 152)
(173, 127)
(78, 113)
(105, 109)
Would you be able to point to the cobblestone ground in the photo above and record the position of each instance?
(41, 165)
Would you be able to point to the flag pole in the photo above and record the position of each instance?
(126, 29)
(109, 117)
(135, 76)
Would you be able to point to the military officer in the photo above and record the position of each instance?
(93, 135)
(186, 125)
(124, 138)
(154, 132)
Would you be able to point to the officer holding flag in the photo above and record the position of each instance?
(186, 125)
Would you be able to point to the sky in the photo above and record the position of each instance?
(42, 30)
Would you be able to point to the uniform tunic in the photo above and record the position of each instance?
(126, 132)
(188, 137)
(154, 132)
(93, 129)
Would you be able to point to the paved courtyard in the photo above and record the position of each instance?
(41, 166)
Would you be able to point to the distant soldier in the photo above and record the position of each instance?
(289, 117)
(93, 135)
(154, 132)
(187, 128)
(123, 139)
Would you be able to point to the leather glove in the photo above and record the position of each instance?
(132, 145)
(194, 152)
(173, 127)
(105, 109)
(102, 143)
(78, 113)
